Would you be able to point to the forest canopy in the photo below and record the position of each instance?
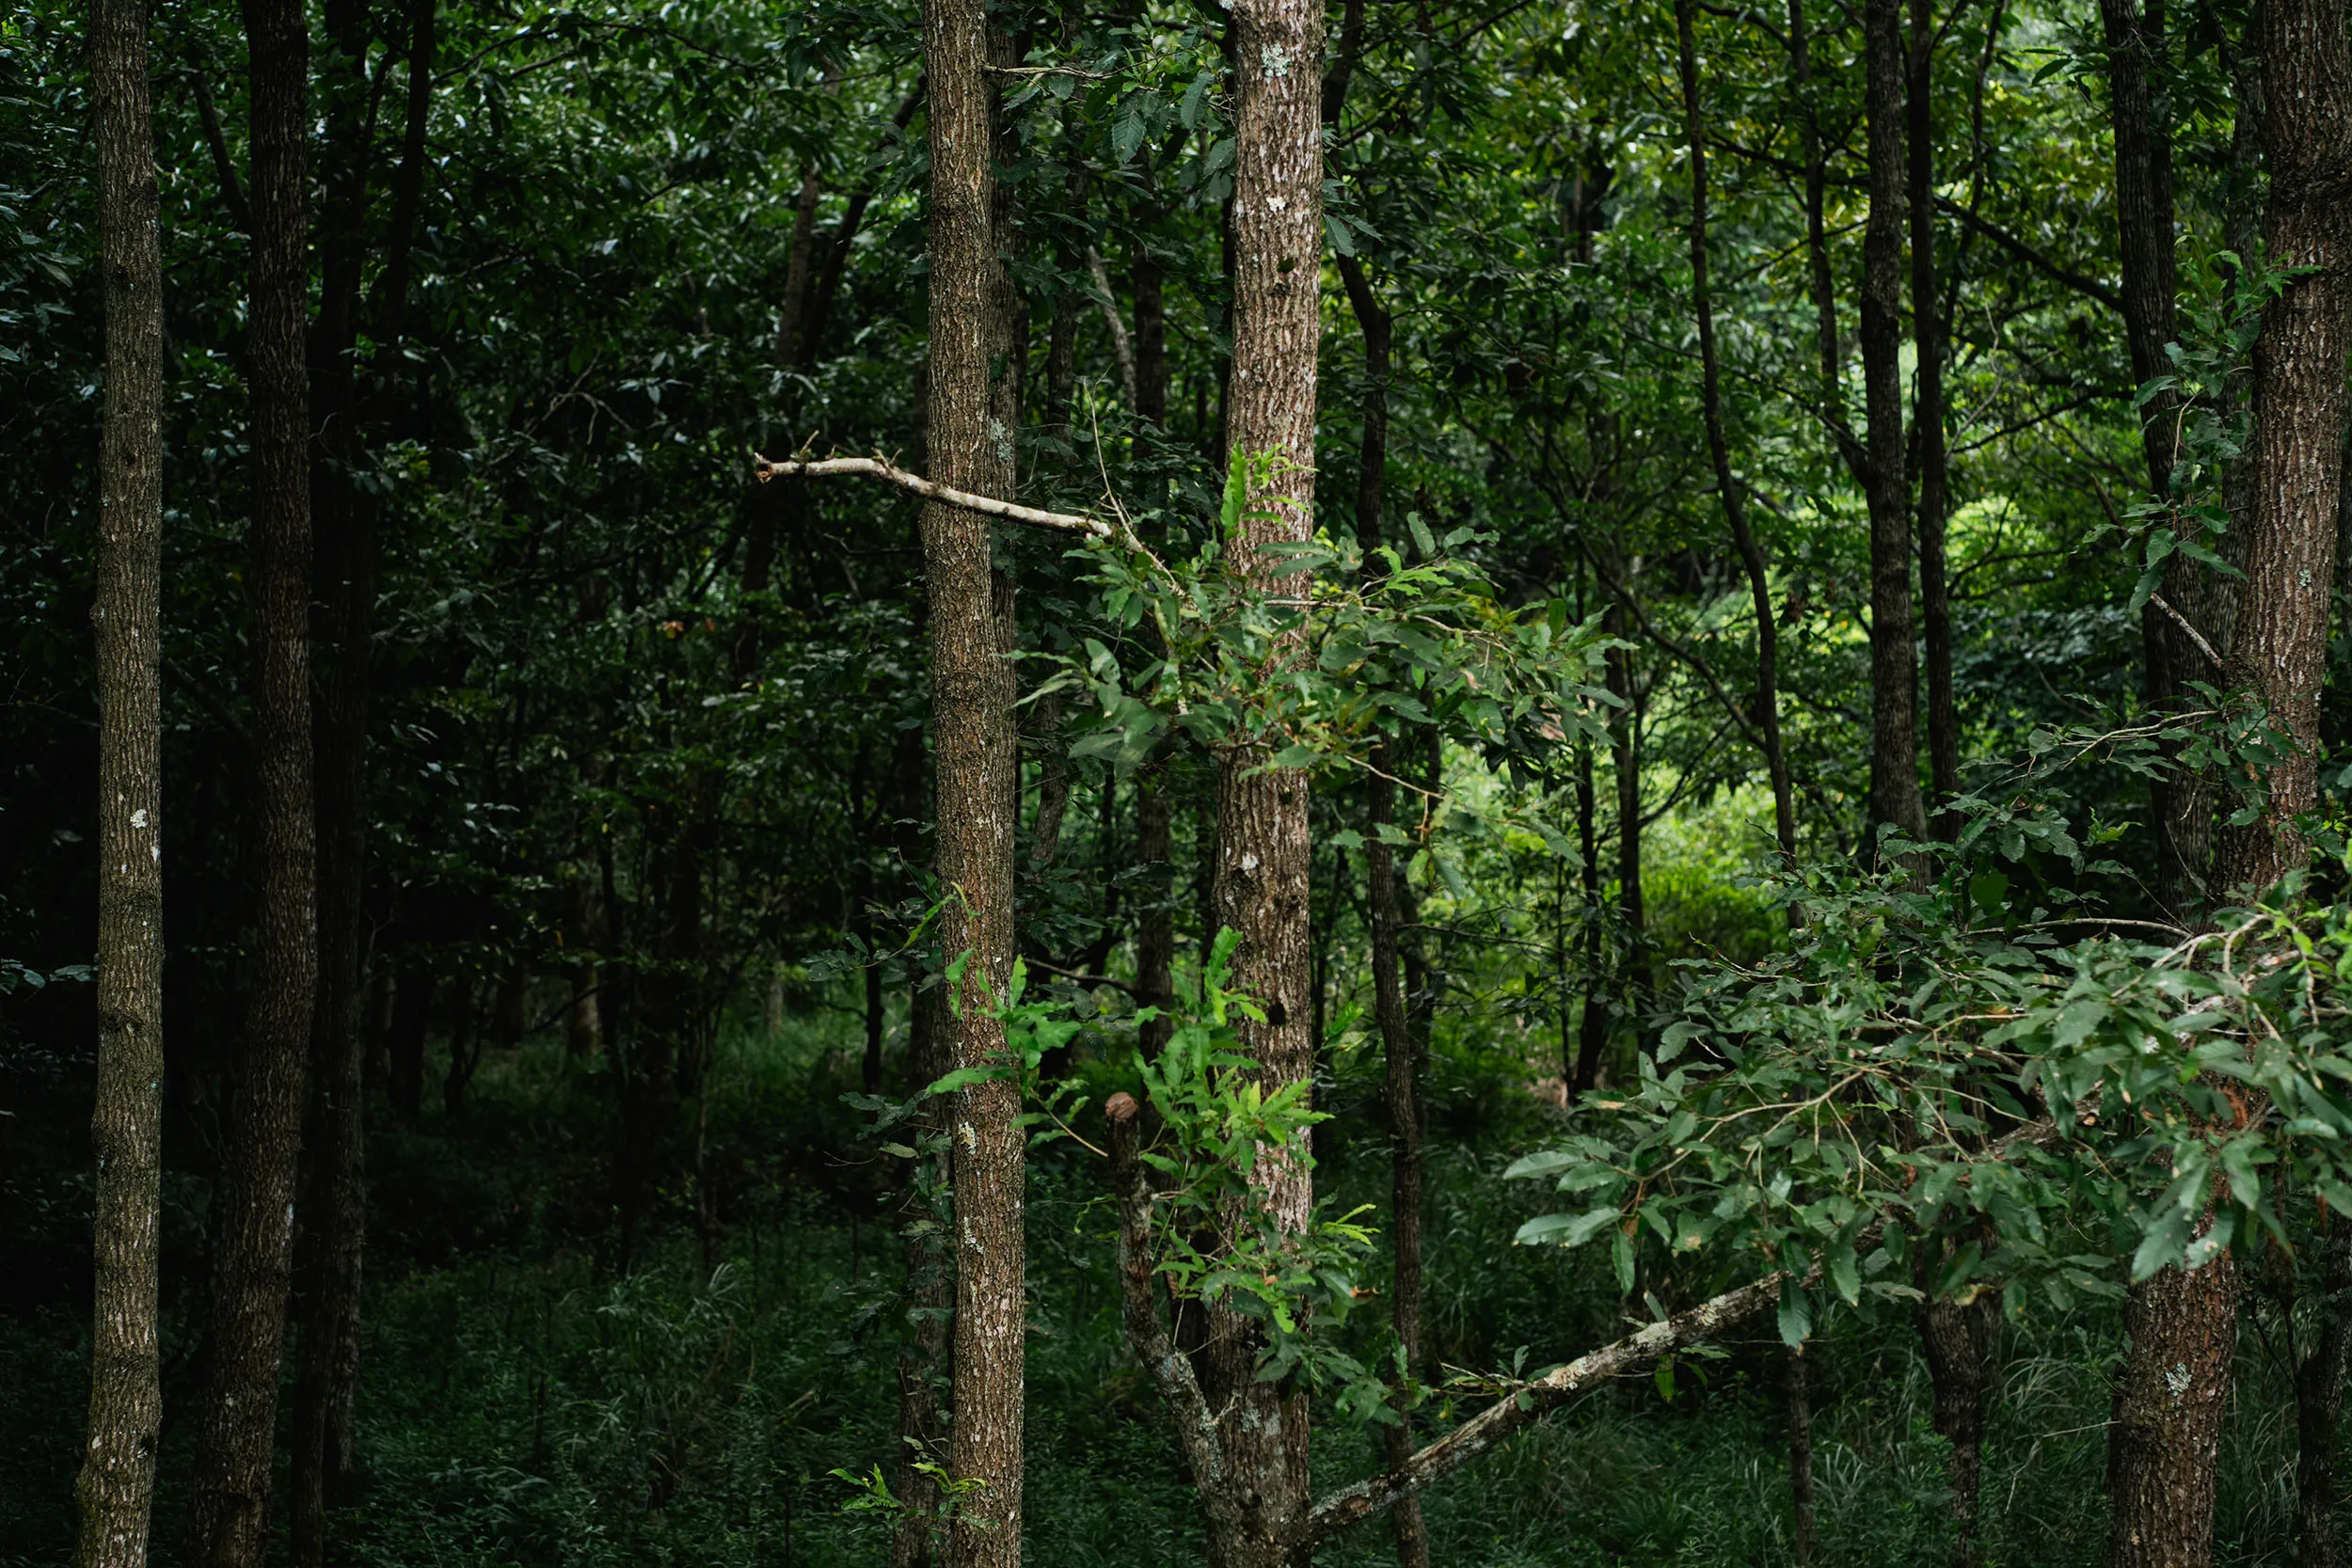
(949, 782)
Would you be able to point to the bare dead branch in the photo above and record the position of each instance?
(875, 467)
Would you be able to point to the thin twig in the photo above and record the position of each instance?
(764, 470)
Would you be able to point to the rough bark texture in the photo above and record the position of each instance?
(115, 1489)
(253, 1229)
(970, 446)
(1767, 702)
(2319, 1404)
(1261, 888)
(2169, 1404)
(1962, 1345)
(1927, 336)
(2279, 653)
(1894, 740)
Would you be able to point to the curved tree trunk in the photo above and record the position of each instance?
(253, 1232)
(115, 1488)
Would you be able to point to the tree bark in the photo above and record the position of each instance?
(1718, 449)
(1962, 1345)
(2169, 1404)
(2319, 1404)
(1404, 1130)
(1261, 889)
(1155, 933)
(115, 1489)
(2279, 653)
(1797, 1401)
(973, 413)
(930, 1306)
(1894, 740)
(253, 1240)
(335, 1197)
(1926, 423)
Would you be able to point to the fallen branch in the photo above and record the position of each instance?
(1530, 1403)
(1013, 512)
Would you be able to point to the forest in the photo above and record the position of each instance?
(944, 783)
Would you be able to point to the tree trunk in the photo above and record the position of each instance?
(1766, 714)
(253, 1244)
(1592, 1028)
(412, 1015)
(2169, 1404)
(973, 412)
(1155, 933)
(1396, 1035)
(1405, 1129)
(2319, 1404)
(1261, 889)
(930, 1303)
(1962, 1345)
(1829, 389)
(2182, 804)
(1926, 423)
(335, 1198)
(1625, 752)
(1894, 740)
(1797, 1401)
(2280, 652)
(115, 1489)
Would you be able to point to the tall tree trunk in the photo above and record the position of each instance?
(253, 1244)
(1927, 422)
(1396, 1035)
(930, 1303)
(1766, 714)
(2280, 652)
(1261, 889)
(2319, 1404)
(2134, 34)
(335, 1198)
(1830, 387)
(115, 1488)
(1625, 752)
(1405, 1132)
(1155, 932)
(973, 412)
(1797, 1401)
(1592, 1029)
(2165, 1438)
(1962, 1343)
(1894, 740)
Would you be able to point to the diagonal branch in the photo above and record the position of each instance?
(1524, 1406)
(1013, 512)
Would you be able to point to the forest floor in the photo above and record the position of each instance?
(523, 1405)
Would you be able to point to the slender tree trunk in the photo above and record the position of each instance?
(335, 1223)
(1396, 1035)
(115, 1489)
(1894, 742)
(1624, 748)
(583, 1020)
(1927, 422)
(253, 1244)
(2319, 1404)
(973, 412)
(1592, 1030)
(2134, 34)
(1261, 889)
(1767, 712)
(1962, 1345)
(1155, 933)
(930, 1306)
(1829, 389)
(2280, 652)
(1797, 1401)
(1404, 1130)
